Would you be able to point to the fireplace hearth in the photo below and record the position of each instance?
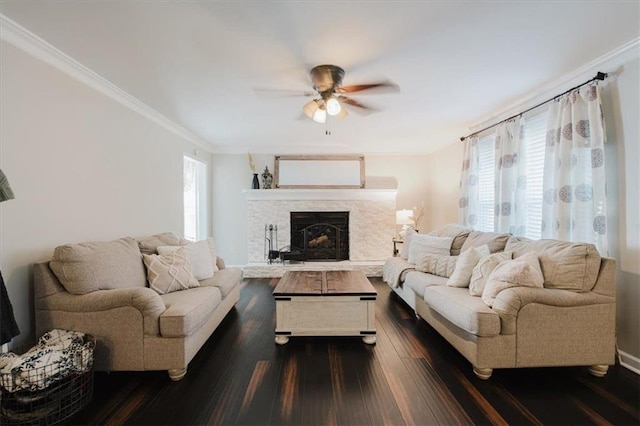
(320, 236)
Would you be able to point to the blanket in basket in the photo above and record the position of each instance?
(57, 354)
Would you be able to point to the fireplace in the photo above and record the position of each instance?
(320, 236)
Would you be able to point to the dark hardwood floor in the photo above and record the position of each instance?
(411, 376)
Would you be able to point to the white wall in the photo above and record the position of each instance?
(83, 168)
(231, 175)
(621, 103)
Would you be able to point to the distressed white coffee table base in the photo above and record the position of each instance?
(326, 315)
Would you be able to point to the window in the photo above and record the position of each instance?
(486, 179)
(535, 143)
(195, 199)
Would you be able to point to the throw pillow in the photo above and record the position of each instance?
(214, 255)
(409, 232)
(464, 268)
(521, 272)
(483, 269)
(459, 234)
(149, 245)
(442, 266)
(495, 241)
(170, 272)
(423, 245)
(198, 254)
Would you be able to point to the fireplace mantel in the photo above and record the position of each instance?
(321, 194)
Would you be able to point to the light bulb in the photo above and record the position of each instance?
(320, 116)
(333, 106)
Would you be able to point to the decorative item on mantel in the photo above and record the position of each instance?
(267, 178)
(255, 183)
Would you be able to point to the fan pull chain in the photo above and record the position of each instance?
(327, 131)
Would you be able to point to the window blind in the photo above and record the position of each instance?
(535, 129)
(486, 190)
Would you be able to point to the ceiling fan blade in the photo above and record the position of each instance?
(379, 87)
(361, 108)
(282, 93)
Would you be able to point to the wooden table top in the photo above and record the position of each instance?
(319, 283)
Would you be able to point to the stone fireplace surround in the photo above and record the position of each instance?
(371, 226)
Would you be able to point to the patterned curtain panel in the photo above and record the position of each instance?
(510, 178)
(468, 203)
(574, 207)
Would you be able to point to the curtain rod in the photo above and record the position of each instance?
(599, 76)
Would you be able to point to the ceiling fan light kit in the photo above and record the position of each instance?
(331, 96)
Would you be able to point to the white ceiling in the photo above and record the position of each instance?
(198, 62)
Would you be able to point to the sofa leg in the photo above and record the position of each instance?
(177, 374)
(598, 370)
(483, 373)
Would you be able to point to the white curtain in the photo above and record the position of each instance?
(468, 204)
(510, 213)
(574, 207)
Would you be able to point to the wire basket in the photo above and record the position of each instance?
(48, 394)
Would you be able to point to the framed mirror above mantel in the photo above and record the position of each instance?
(319, 172)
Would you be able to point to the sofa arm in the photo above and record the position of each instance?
(220, 263)
(510, 301)
(144, 299)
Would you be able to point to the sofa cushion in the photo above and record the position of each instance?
(483, 269)
(496, 242)
(150, 244)
(199, 256)
(86, 267)
(225, 280)
(442, 266)
(459, 234)
(521, 272)
(565, 265)
(467, 312)
(170, 272)
(418, 281)
(423, 245)
(464, 268)
(187, 310)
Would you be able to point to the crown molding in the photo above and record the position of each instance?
(608, 63)
(18, 36)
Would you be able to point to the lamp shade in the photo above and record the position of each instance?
(310, 108)
(5, 189)
(404, 217)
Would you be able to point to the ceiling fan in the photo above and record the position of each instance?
(331, 96)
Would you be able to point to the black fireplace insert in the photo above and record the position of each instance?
(320, 236)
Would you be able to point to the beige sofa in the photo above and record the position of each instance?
(569, 322)
(136, 328)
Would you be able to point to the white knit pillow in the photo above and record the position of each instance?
(467, 260)
(170, 272)
(424, 245)
(198, 254)
(521, 272)
(483, 269)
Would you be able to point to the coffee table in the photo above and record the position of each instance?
(325, 303)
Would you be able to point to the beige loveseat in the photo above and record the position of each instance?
(569, 322)
(136, 328)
